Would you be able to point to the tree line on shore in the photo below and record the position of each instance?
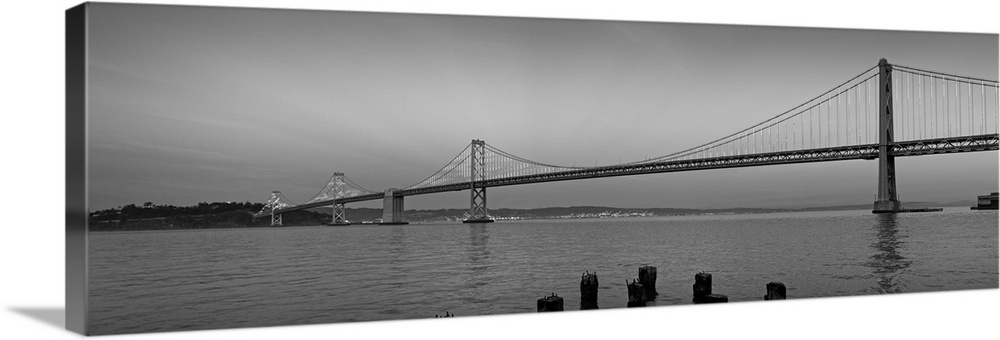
(203, 215)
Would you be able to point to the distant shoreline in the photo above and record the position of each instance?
(240, 215)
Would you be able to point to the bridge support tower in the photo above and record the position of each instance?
(276, 198)
(275, 219)
(886, 200)
(392, 209)
(339, 216)
(339, 190)
(477, 201)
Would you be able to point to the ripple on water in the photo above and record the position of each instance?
(171, 280)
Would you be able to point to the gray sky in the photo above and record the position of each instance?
(193, 104)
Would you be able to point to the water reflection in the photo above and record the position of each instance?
(478, 251)
(886, 262)
(397, 244)
(479, 276)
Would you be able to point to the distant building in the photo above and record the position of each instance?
(986, 202)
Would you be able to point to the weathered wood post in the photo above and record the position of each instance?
(550, 303)
(636, 294)
(588, 291)
(647, 277)
(775, 291)
(703, 290)
(713, 298)
(702, 285)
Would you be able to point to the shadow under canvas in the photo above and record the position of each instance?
(54, 316)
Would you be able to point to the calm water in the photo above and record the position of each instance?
(200, 279)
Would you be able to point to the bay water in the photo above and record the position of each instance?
(222, 278)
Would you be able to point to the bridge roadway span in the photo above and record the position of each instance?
(866, 151)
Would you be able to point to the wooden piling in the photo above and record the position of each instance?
(712, 298)
(636, 294)
(703, 290)
(702, 285)
(775, 291)
(588, 291)
(550, 303)
(647, 277)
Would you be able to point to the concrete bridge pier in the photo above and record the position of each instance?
(392, 209)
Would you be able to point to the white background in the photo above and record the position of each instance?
(33, 181)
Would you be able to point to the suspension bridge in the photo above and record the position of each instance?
(887, 111)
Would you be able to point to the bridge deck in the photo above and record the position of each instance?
(866, 151)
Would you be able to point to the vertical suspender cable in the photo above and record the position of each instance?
(857, 125)
(958, 110)
(940, 127)
(923, 107)
(902, 106)
(947, 122)
(958, 107)
(982, 93)
(913, 115)
(941, 124)
(914, 123)
(846, 113)
(913, 108)
(896, 122)
(923, 116)
(901, 103)
(972, 110)
(836, 121)
(868, 102)
(838, 126)
(827, 124)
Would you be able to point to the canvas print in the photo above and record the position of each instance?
(242, 167)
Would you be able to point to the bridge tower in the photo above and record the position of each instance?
(339, 216)
(339, 190)
(392, 208)
(886, 200)
(275, 218)
(477, 201)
